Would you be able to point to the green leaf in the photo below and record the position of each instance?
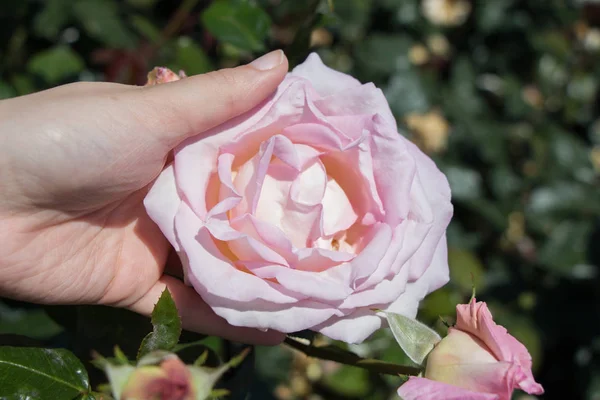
(41, 373)
(565, 250)
(56, 64)
(349, 381)
(414, 337)
(384, 54)
(142, 3)
(205, 378)
(34, 323)
(101, 20)
(407, 81)
(145, 27)
(191, 58)
(6, 91)
(243, 25)
(166, 326)
(53, 17)
(23, 84)
(465, 183)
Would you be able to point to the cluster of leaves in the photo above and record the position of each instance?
(502, 94)
(34, 372)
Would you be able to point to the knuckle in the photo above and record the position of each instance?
(226, 77)
(229, 87)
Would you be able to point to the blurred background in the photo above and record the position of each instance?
(503, 94)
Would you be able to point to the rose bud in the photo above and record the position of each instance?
(476, 360)
(170, 380)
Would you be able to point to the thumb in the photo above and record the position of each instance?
(184, 108)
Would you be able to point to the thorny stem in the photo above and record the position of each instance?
(347, 358)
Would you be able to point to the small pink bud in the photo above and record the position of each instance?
(171, 380)
(163, 75)
(478, 360)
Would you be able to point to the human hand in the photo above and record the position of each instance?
(75, 164)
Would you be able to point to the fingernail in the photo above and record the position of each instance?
(268, 61)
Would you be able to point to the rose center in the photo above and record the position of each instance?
(309, 206)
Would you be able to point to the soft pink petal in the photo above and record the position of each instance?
(266, 233)
(229, 198)
(310, 185)
(435, 190)
(352, 169)
(162, 203)
(465, 361)
(302, 223)
(379, 239)
(194, 166)
(406, 239)
(260, 314)
(245, 247)
(318, 260)
(352, 126)
(394, 170)
(476, 319)
(355, 327)
(316, 286)
(315, 135)
(496, 378)
(434, 277)
(425, 389)
(338, 214)
(224, 164)
(363, 100)
(211, 272)
(325, 80)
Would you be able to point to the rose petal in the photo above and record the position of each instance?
(476, 319)
(352, 169)
(425, 389)
(316, 286)
(338, 214)
(162, 203)
(211, 272)
(315, 135)
(194, 166)
(324, 79)
(394, 185)
(260, 314)
(436, 191)
(243, 246)
(310, 185)
(353, 328)
(364, 100)
(266, 233)
(318, 260)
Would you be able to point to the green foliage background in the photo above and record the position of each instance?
(503, 94)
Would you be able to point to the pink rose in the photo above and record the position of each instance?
(308, 211)
(478, 360)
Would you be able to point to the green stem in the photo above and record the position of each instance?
(347, 358)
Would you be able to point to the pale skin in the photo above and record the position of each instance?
(75, 164)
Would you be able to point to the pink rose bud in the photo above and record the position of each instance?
(163, 75)
(477, 360)
(171, 380)
(307, 211)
